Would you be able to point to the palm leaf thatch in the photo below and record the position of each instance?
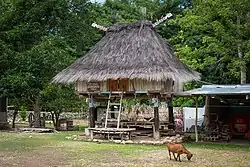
(133, 51)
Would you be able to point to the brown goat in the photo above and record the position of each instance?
(179, 149)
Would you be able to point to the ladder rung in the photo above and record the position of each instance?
(114, 104)
(112, 120)
(115, 97)
(113, 101)
(117, 92)
(113, 111)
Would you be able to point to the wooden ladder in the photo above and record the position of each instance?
(116, 96)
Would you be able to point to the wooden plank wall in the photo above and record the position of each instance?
(138, 84)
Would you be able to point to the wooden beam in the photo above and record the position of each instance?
(196, 120)
(95, 114)
(156, 128)
(103, 96)
(91, 112)
(170, 114)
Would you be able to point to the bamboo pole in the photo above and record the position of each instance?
(196, 120)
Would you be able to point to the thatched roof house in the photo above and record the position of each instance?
(134, 53)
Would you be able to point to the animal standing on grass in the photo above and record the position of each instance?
(179, 149)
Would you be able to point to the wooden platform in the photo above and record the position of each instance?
(144, 124)
(111, 132)
(103, 95)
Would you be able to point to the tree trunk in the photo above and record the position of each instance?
(37, 111)
(3, 113)
(57, 121)
(31, 119)
(196, 120)
(206, 114)
(53, 118)
(243, 74)
(14, 118)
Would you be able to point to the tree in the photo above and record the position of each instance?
(34, 70)
(36, 44)
(213, 41)
(76, 29)
(58, 99)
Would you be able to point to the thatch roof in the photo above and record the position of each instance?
(128, 51)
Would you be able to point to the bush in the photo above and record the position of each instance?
(23, 113)
(80, 127)
(76, 128)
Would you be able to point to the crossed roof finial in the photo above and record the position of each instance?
(99, 27)
(162, 19)
(154, 25)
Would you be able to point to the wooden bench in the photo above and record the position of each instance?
(112, 132)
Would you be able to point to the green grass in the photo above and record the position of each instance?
(56, 149)
(26, 141)
(29, 141)
(218, 146)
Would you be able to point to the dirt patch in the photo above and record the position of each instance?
(202, 158)
(111, 157)
(104, 159)
(47, 157)
(55, 157)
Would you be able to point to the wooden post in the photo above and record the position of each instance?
(91, 112)
(156, 118)
(170, 114)
(95, 114)
(196, 120)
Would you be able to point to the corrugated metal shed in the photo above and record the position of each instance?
(217, 90)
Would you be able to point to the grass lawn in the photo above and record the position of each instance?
(53, 150)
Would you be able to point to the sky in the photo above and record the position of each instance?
(100, 1)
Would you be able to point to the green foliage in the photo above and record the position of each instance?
(39, 38)
(23, 113)
(33, 50)
(188, 102)
(80, 128)
(209, 38)
(35, 68)
(57, 99)
(128, 103)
